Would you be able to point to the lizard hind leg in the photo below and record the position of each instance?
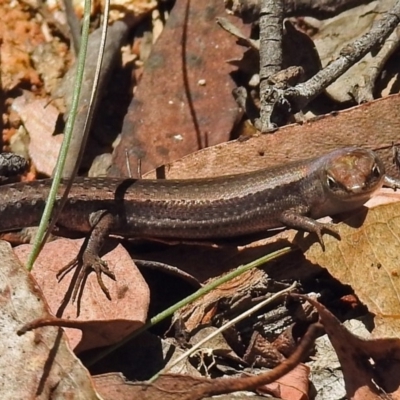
(88, 258)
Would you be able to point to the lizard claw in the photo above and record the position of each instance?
(88, 262)
(99, 266)
(319, 228)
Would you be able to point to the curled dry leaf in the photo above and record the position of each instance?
(104, 322)
(38, 364)
(370, 367)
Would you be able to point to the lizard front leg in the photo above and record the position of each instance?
(292, 218)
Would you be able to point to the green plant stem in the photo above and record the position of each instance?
(44, 222)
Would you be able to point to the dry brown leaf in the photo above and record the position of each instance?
(185, 80)
(292, 386)
(370, 367)
(107, 322)
(40, 118)
(366, 258)
(38, 364)
(355, 126)
(167, 387)
(112, 386)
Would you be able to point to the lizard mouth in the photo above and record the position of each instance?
(359, 193)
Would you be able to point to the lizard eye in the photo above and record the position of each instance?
(376, 172)
(332, 184)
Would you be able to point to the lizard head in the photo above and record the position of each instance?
(353, 174)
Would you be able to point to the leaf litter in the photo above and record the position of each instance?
(377, 287)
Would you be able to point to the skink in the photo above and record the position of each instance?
(292, 195)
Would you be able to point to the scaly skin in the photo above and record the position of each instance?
(292, 195)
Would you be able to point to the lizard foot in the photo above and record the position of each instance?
(88, 262)
(320, 227)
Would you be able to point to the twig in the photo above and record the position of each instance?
(271, 28)
(365, 92)
(321, 9)
(300, 95)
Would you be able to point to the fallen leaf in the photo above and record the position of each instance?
(40, 118)
(107, 322)
(261, 352)
(292, 386)
(370, 367)
(37, 364)
(327, 375)
(355, 126)
(366, 258)
(167, 387)
(184, 100)
(114, 386)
